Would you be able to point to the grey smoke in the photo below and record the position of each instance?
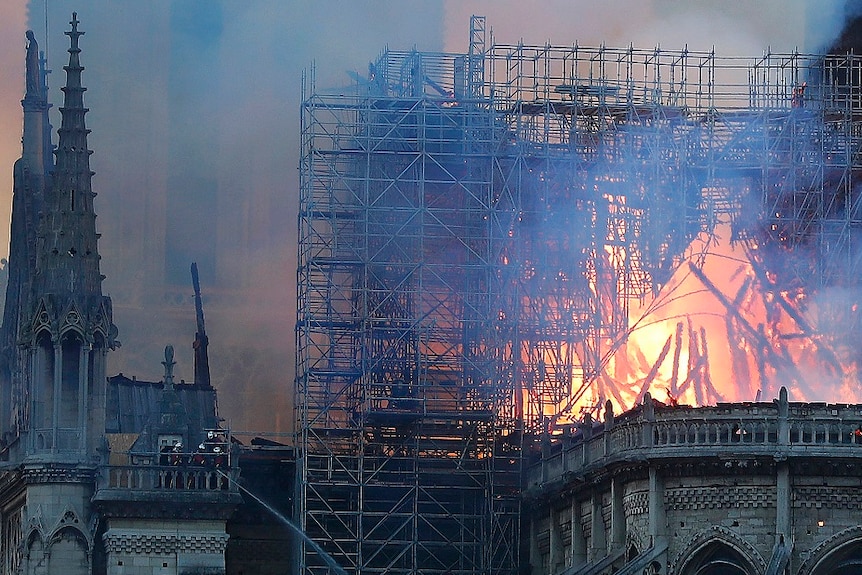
(195, 118)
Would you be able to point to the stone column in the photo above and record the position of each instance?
(579, 542)
(607, 445)
(36, 363)
(782, 511)
(783, 418)
(83, 392)
(58, 393)
(598, 540)
(587, 436)
(657, 517)
(649, 419)
(618, 516)
(557, 559)
(97, 397)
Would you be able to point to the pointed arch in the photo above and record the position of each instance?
(840, 554)
(73, 321)
(71, 532)
(69, 552)
(59, 364)
(42, 318)
(718, 551)
(35, 552)
(69, 518)
(42, 363)
(72, 347)
(33, 536)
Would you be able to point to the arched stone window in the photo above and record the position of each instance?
(69, 553)
(43, 393)
(34, 553)
(839, 555)
(69, 409)
(717, 558)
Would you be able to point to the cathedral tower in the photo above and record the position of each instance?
(76, 499)
(67, 329)
(31, 176)
(57, 330)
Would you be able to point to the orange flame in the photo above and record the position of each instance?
(721, 332)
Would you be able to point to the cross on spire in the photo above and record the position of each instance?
(74, 34)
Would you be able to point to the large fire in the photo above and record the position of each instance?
(720, 330)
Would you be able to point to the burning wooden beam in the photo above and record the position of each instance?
(779, 361)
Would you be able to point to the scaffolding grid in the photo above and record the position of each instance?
(472, 230)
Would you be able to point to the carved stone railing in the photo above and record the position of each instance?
(158, 478)
(652, 430)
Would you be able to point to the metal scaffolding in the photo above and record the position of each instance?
(472, 231)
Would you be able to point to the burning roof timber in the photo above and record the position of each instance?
(668, 221)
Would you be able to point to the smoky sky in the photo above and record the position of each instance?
(195, 138)
(849, 39)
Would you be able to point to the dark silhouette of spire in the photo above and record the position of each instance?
(202, 365)
(31, 176)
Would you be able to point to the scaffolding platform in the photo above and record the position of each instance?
(473, 229)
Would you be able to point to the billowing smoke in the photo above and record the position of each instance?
(746, 28)
(850, 38)
(195, 131)
(195, 119)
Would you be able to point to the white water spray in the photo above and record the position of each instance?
(293, 527)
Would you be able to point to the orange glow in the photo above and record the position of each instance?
(12, 27)
(716, 332)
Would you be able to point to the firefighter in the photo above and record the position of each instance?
(176, 456)
(797, 98)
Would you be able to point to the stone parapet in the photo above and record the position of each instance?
(779, 430)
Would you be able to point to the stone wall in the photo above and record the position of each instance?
(175, 547)
(766, 487)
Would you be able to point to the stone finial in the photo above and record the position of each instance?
(169, 364)
(783, 404)
(649, 407)
(609, 414)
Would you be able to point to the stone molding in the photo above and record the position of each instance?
(722, 497)
(636, 503)
(161, 543)
(58, 474)
(828, 497)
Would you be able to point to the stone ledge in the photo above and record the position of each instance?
(166, 543)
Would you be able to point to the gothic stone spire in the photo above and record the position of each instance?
(68, 277)
(31, 176)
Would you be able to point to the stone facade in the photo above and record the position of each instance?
(746, 488)
(72, 502)
(144, 547)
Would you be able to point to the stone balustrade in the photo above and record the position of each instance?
(652, 430)
(161, 478)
